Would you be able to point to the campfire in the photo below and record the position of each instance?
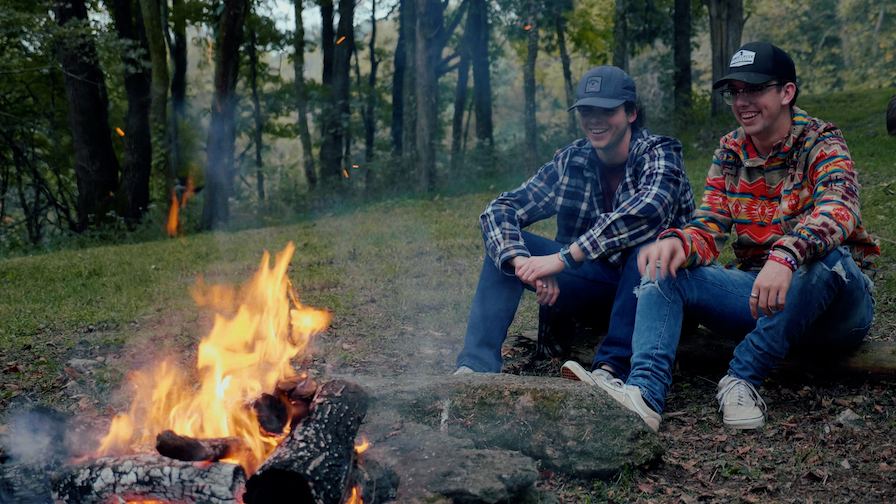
(249, 429)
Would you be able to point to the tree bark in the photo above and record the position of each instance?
(335, 121)
(430, 30)
(531, 139)
(560, 26)
(482, 87)
(133, 192)
(219, 169)
(96, 167)
(150, 477)
(681, 55)
(178, 87)
(252, 50)
(620, 36)
(726, 23)
(313, 463)
(302, 97)
(398, 78)
(370, 104)
(460, 104)
(152, 19)
(891, 116)
(409, 84)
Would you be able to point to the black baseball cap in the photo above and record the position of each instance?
(758, 62)
(605, 87)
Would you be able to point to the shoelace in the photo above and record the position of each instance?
(743, 391)
(612, 380)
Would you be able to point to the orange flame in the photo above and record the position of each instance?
(527, 27)
(172, 224)
(119, 131)
(257, 331)
(363, 445)
(340, 40)
(345, 173)
(355, 497)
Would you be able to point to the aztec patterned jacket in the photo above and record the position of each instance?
(653, 195)
(801, 201)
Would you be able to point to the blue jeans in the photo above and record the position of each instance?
(594, 284)
(829, 308)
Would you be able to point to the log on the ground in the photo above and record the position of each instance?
(24, 483)
(173, 445)
(272, 413)
(150, 477)
(314, 462)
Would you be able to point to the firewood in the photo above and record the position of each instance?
(149, 477)
(305, 389)
(185, 448)
(272, 413)
(313, 463)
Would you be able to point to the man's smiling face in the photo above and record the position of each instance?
(605, 128)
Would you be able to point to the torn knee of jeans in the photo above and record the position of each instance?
(838, 269)
(647, 283)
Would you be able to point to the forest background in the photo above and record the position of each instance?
(114, 112)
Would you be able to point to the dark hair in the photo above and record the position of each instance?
(631, 108)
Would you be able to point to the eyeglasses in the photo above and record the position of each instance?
(748, 92)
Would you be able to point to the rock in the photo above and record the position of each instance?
(567, 426)
(849, 418)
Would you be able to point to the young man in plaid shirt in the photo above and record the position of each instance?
(784, 182)
(611, 191)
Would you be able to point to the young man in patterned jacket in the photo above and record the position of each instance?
(785, 183)
(611, 191)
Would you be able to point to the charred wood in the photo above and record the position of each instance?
(314, 462)
(149, 477)
(272, 413)
(175, 446)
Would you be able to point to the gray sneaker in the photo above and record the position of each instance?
(463, 370)
(632, 400)
(740, 404)
(572, 370)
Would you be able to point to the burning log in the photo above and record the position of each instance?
(314, 462)
(145, 477)
(188, 449)
(272, 412)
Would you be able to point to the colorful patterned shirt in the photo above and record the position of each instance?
(801, 201)
(654, 194)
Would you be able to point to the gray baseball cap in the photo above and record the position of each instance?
(605, 87)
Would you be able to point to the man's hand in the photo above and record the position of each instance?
(539, 272)
(770, 289)
(666, 255)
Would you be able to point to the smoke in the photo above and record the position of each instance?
(36, 437)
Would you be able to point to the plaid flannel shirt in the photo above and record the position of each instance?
(653, 195)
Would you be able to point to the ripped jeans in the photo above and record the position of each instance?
(829, 309)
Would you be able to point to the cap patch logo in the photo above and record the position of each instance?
(742, 58)
(593, 85)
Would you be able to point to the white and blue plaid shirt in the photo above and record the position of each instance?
(653, 196)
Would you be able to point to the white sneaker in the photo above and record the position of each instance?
(600, 377)
(740, 404)
(632, 400)
(463, 370)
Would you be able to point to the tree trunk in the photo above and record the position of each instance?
(302, 97)
(726, 24)
(560, 21)
(460, 103)
(430, 29)
(336, 120)
(133, 193)
(409, 97)
(681, 50)
(398, 77)
(328, 40)
(620, 36)
(531, 139)
(482, 87)
(252, 48)
(178, 87)
(370, 105)
(96, 167)
(152, 19)
(219, 169)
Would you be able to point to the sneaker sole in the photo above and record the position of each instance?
(747, 424)
(580, 374)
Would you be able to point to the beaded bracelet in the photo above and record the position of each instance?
(784, 260)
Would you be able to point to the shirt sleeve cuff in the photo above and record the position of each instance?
(681, 235)
(509, 253)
